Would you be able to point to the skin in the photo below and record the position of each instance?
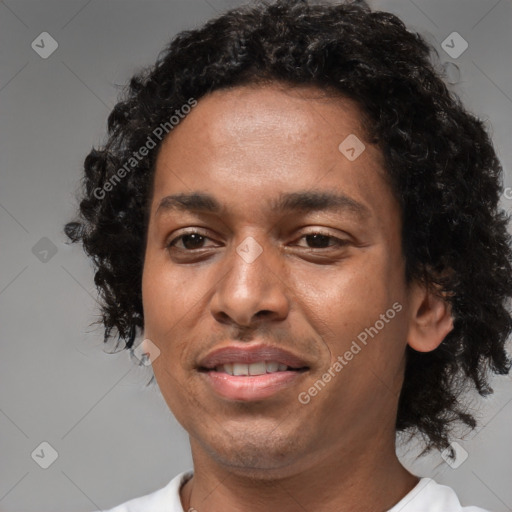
(245, 146)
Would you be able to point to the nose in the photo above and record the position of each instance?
(252, 287)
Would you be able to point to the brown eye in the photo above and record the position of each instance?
(189, 241)
(321, 241)
(318, 241)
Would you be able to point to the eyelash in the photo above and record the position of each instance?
(339, 242)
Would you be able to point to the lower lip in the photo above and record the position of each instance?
(250, 387)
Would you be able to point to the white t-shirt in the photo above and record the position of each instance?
(426, 496)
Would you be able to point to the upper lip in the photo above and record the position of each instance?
(250, 354)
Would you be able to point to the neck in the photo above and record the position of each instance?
(354, 480)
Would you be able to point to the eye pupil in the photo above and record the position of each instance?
(191, 241)
(318, 238)
(197, 239)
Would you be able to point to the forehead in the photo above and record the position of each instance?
(264, 141)
(260, 112)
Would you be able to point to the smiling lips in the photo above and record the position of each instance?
(258, 368)
(250, 372)
(249, 355)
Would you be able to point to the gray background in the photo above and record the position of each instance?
(115, 438)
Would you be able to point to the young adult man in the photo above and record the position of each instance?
(309, 241)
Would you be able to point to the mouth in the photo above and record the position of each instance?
(241, 382)
(253, 369)
(251, 372)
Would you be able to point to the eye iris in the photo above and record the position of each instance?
(318, 240)
(197, 240)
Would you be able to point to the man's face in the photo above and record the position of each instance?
(259, 276)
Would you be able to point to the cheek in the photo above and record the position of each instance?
(169, 302)
(175, 305)
(345, 306)
(371, 347)
(167, 295)
(356, 292)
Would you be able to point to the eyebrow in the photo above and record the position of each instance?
(302, 201)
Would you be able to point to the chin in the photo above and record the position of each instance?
(263, 456)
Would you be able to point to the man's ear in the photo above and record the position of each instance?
(430, 319)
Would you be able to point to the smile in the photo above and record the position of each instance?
(257, 368)
(245, 386)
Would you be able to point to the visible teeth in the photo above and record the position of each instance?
(272, 366)
(240, 369)
(258, 368)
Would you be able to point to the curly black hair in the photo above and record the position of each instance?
(439, 158)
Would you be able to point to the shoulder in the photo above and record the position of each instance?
(429, 496)
(166, 499)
